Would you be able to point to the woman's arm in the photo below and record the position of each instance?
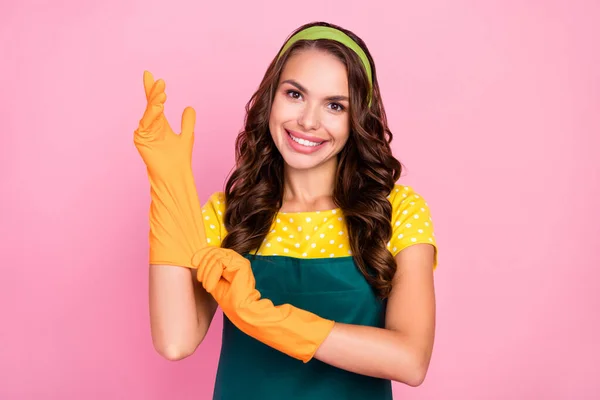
(402, 351)
(180, 311)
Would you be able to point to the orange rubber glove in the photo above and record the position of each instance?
(177, 237)
(228, 277)
(176, 226)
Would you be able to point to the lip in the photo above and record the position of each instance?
(305, 137)
(297, 147)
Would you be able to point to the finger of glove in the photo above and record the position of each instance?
(159, 99)
(188, 121)
(220, 291)
(212, 278)
(158, 88)
(151, 115)
(209, 254)
(148, 83)
(206, 266)
(241, 277)
(206, 260)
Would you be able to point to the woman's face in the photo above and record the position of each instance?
(309, 119)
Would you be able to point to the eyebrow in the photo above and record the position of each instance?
(303, 89)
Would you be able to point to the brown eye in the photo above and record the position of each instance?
(293, 94)
(337, 107)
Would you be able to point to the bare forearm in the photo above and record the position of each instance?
(179, 315)
(376, 352)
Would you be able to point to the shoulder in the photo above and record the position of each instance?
(213, 214)
(403, 197)
(408, 206)
(411, 219)
(216, 201)
(214, 208)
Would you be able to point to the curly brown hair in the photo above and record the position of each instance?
(366, 172)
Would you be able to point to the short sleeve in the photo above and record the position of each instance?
(411, 220)
(213, 213)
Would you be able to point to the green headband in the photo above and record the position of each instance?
(324, 32)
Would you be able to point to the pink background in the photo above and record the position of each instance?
(495, 107)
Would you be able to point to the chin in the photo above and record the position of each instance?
(299, 162)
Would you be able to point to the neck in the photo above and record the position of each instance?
(308, 190)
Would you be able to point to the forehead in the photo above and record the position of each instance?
(318, 71)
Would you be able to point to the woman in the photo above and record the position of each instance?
(322, 263)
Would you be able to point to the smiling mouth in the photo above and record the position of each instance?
(304, 142)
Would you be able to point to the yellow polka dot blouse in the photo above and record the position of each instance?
(319, 234)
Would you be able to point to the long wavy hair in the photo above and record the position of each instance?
(366, 172)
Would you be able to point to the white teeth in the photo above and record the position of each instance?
(304, 142)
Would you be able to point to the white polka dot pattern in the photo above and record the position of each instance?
(213, 213)
(411, 220)
(319, 234)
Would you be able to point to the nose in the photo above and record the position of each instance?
(309, 118)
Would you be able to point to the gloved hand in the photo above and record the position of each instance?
(229, 278)
(177, 237)
(176, 226)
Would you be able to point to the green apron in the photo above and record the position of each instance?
(332, 288)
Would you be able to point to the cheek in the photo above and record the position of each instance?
(274, 116)
(281, 110)
(339, 128)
